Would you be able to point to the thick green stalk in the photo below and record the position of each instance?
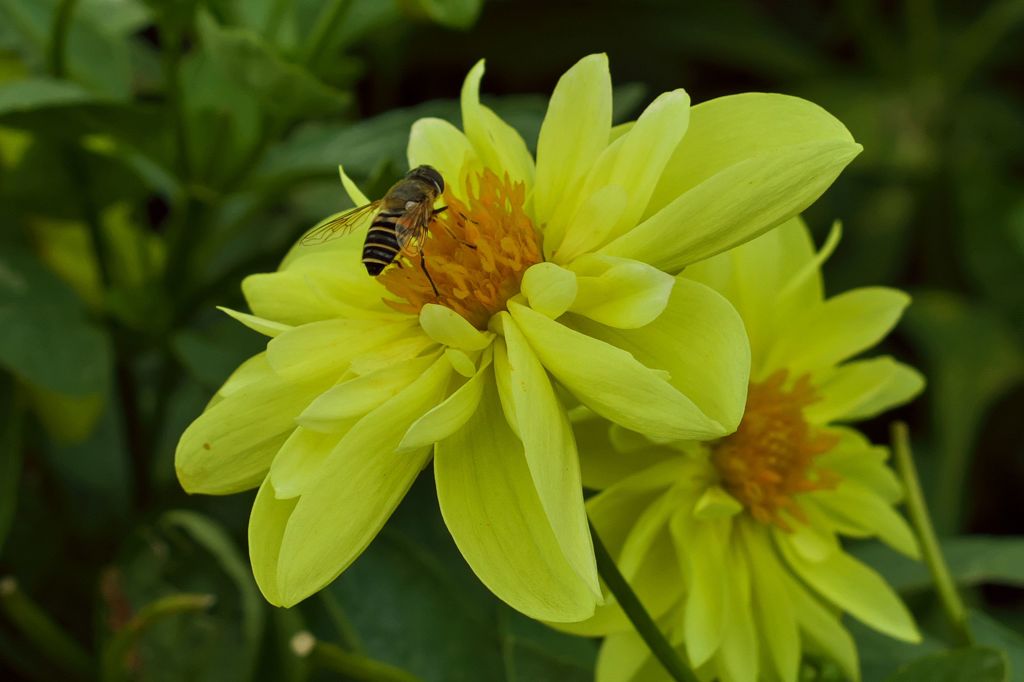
(918, 510)
(637, 614)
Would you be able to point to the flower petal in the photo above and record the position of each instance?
(620, 293)
(550, 288)
(858, 506)
(436, 142)
(257, 324)
(863, 389)
(324, 348)
(361, 394)
(491, 507)
(747, 163)
(822, 631)
(451, 414)
(775, 614)
(700, 341)
(359, 485)
(701, 546)
(267, 522)
(621, 657)
(549, 446)
(497, 143)
(574, 133)
(635, 161)
(297, 464)
(601, 463)
(447, 327)
(598, 214)
(229, 447)
(855, 588)
(611, 381)
(841, 327)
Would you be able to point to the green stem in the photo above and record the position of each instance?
(351, 666)
(918, 510)
(39, 629)
(637, 614)
(325, 25)
(59, 37)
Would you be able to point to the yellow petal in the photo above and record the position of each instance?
(860, 507)
(497, 143)
(359, 395)
(621, 657)
(863, 389)
(321, 349)
(447, 327)
(857, 589)
(359, 485)
(598, 214)
(775, 614)
(451, 414)
(229, 447)
(738, 656)
(436, 142)
(257, 324)
(701, 546)
(841, 327)
(267, 522)
(297, 463)
(620, 293)
(611, 381)
(601, 463)
(551, 289)
(574, 133)
(550, 449)
(490, 505)
(822, 630)
(699, 339)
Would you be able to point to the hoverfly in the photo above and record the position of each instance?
(400, 225)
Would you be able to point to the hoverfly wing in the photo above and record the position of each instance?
(338, 224)
(411, 228)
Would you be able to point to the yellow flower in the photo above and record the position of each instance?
(548, 275)
(733, 545)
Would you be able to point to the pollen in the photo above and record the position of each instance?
(770, 459)
(476, 252)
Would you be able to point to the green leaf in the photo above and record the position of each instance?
(285, 90)
(881, 656)
(393, 595)
(977, 664)
(972, 360)
(989, 632)
(31, 94)
(47, 339)
(98, 44)
(460, 14)
(973, 560)
(213, 538)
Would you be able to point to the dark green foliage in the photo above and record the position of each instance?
(154, 152)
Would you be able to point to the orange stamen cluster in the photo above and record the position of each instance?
(476, 253)
(770, 457)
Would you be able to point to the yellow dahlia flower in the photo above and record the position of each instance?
(733, 544)
(364, 379)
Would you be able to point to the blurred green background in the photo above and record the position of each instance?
(153, 153)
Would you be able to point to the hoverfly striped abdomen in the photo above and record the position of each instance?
(381, 246)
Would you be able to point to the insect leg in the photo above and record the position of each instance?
(439, 210)
(423, 264)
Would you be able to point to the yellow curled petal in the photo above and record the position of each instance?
(267, 522)
(297, 463)
(257, 324)
(497, 143)
(611, 381)
(436, 142)
(841, 327)
(447, 327)
(543, 427)
(573, 134)
(550, 288)
(490, 505)
(620, 293)
(335, 519)
(325, 348)
(451, 414)
(863, 389)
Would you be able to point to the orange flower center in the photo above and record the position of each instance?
(476, 253)
(770, 458)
